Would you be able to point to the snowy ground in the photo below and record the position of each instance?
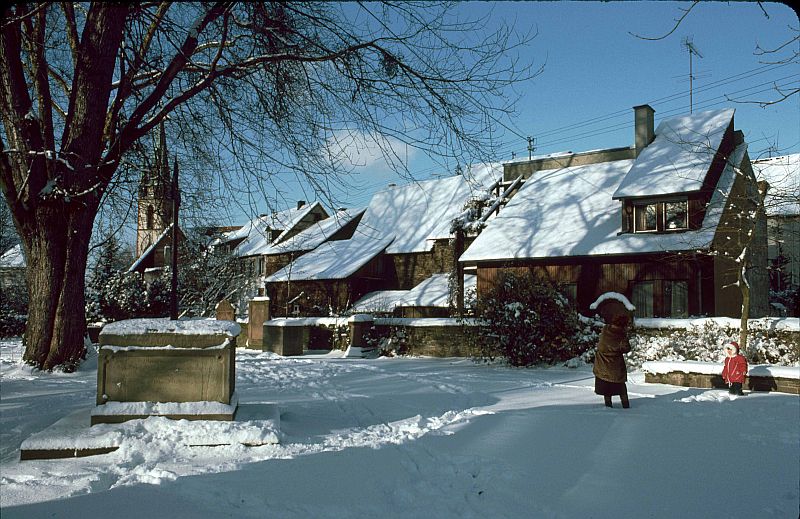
(418, 438)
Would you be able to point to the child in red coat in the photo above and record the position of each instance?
(735, 368)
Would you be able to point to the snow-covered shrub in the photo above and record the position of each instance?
(469, 220)
(586, 341)
(125, 295)
(396, 343)
(704, 343)
(527, 321)
(388, 342)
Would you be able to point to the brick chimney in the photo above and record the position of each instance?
(644, 127)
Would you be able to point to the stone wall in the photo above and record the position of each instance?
(702, 380)
(413, 268)
(429, 337)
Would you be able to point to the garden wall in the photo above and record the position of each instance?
(434, 337)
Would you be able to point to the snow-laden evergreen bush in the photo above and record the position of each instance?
(125, 295)
(705, 342)
(13, 310)
(527, 321)
(396, 343)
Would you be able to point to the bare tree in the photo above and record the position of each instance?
(252, 88)
(740, 229)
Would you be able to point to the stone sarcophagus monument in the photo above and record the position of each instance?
(181, 369)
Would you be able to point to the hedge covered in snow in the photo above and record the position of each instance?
(770, 341)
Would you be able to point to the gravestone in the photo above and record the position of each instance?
(156, 367)
(225, 311)
(258, 310)
(286, 337)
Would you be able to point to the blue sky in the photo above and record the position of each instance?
(595, 71)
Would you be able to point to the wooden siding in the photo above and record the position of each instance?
(594, 277)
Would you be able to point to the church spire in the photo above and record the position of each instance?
(162, 159)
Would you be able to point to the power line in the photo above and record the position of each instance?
(572, 136)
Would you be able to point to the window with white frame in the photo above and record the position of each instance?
(645, 217)
(663, 216)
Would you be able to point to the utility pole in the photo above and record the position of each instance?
(530, 147)
(687, 42)
(176, 202)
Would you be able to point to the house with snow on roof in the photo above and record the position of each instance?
(402, 239)
(664, 222)
(252, 241)
(433, 297)
(12, 267)
(782, 207)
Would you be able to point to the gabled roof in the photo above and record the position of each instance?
(679, 157)
(417, 213)
(332, 260)
(165, 234)
(13, 258)
(570, 212)
(783, 176)
(310, 238)
(256, 234)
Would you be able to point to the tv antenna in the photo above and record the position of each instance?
(693, 51)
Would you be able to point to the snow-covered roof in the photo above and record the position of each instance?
(257, 233)
(379, 301)
(151, 248)
(783, 176)
(679, 157)
(13, 258)
(570, 212)
(332, 260)
(314, 235)
(417, 213)
(432, 291)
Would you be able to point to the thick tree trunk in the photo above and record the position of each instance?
(57, 249)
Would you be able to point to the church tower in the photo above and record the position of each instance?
(155, 198)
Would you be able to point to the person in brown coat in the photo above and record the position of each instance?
(609, 366)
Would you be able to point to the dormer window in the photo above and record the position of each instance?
(658, 216)
(645, 217)
(676, 216)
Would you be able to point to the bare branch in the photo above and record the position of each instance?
(678, 22)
